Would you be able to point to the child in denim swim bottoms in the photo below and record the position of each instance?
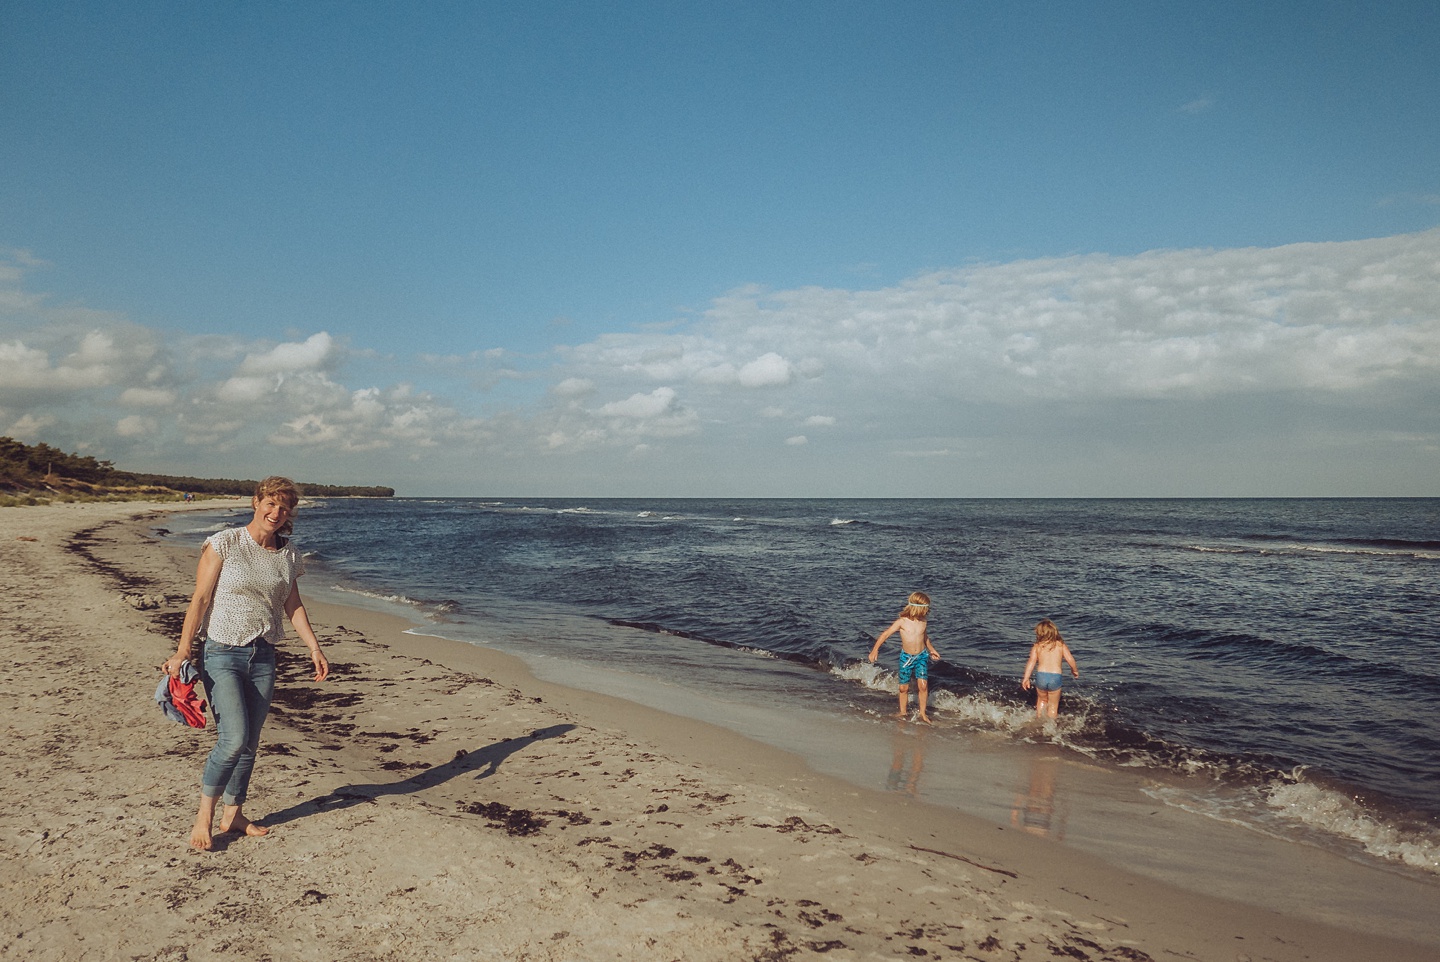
(1046, 656)
(916, 652)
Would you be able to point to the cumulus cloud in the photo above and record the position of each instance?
(654, 404)
(48, 363)
(927, 367)
(148, 397)
(574, 387)
(62, 368)
(768, 370)
(317, 352)
(136, 426)
(1327, 317)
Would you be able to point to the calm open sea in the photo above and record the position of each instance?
(1281, 657)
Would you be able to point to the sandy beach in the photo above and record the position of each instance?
(433, 800)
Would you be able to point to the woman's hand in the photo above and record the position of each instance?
(322, 666)
(172, 664)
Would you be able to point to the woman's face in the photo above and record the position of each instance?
(271, 512)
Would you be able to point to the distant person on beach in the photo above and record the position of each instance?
(1046, 655)
(916, 652)
(245, 583)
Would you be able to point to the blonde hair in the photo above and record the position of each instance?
(281, 489)
(1047, 635)
(917, 606)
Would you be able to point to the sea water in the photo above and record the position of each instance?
(1267, 665)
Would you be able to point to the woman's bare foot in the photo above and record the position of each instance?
(926, 719)
(239, 823)
(200, 838)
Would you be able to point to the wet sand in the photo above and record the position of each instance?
(433, 800)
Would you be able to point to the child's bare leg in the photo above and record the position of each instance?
(922, 694)
(904, 711)
(1054, 703)
(1041, 697)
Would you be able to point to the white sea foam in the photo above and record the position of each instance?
(979, 712)
(1329, 811)
(394, 599)
(1301, 550)
(869, 675)
(201, 529)
(969, 710)
(1322, 812)
(842, 520)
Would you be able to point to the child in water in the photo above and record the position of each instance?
(1046, 655)
(916, 652)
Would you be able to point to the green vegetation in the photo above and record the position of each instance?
(39, 474)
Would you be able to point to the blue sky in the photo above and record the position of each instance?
(913, 249)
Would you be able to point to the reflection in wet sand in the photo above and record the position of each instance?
(1036, 810)
(907, 758)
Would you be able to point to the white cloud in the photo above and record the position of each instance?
(147, 397)
(70, 361)
(945, 368)
(316, 353)
(574, 387)
(768, 370)
(31, 428)
(136, 426)
(654, 404)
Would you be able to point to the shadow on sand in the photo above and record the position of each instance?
(484, 762)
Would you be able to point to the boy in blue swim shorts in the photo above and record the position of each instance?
(916, 652)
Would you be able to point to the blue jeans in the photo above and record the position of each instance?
(240, 681)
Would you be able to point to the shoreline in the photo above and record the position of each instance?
(447, 801)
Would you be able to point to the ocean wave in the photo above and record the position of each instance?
(758, 652)
(397, 599)
(1330, 811)
(840, 521)
(179, 531)
(1285, 805)
(973, 711)
(1418, 551)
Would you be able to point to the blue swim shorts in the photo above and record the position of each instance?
(914, 666)
(1049, 680)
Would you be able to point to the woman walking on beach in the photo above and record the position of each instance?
(245, 582)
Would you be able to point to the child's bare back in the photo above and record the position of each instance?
(1051, 657)
(1048, 656)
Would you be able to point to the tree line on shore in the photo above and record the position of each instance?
(40, 468)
